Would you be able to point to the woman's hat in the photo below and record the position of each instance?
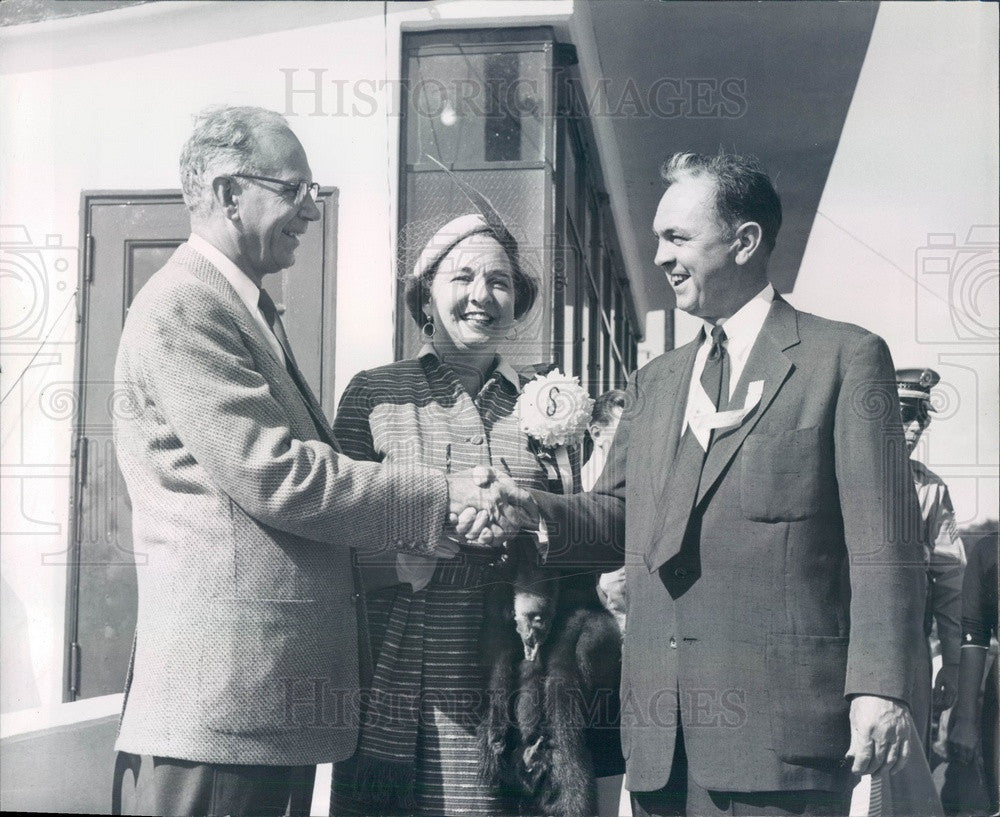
(488, 222)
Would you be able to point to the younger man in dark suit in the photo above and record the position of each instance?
(771, 530)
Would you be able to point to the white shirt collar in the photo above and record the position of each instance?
(503, 368)
(743, 327)
(248, 291)
(742, 330)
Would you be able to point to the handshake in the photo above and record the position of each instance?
(485, 510)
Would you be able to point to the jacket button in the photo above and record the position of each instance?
(477, 439)
(673, 643)
(680, 572)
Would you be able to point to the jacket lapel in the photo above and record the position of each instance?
(206, 272)
(674, 389)
(276, 373)
(767, 362)
(677, 485)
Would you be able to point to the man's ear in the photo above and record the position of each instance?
(226, 197)
(595, 431)
(748, 240)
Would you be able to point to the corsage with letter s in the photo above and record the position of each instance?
(554, 410)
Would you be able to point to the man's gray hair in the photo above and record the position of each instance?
(743, 190)
(226, 140)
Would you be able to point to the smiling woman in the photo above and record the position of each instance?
(466, 292)
(453, 407)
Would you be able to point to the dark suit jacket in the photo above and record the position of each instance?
(788, 581)
(243, 523)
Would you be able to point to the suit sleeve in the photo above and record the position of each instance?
(881, 528)
(979, 618)
(203, 381)
(588, 529)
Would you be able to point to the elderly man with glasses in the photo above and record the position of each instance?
(245, 667)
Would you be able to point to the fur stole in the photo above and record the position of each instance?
(552, 657)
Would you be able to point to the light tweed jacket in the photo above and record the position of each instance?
(243, 525)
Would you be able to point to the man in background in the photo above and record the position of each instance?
(945, 554)
(604, 419)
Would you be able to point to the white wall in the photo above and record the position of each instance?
(104, 102)
(918, 156)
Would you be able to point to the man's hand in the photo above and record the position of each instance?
(945, 688)
(487, 508)
(880, 734)
(963, 738)
(472, 501)
(519, 511)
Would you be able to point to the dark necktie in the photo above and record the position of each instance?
(690, 458)
(270, 313)
(715, 382)
(715, 375)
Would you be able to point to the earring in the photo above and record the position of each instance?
(427, 330)
(509, 336)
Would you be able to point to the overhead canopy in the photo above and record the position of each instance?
(770, 79)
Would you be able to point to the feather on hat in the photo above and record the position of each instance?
(486, 221)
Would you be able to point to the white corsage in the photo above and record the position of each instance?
(554, 411)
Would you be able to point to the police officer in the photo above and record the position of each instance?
(945, 551)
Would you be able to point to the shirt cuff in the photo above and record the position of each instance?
(542, 534)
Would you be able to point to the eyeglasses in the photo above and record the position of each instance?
(910, 412)
(301, 189)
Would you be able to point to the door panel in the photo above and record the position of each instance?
(128, 238)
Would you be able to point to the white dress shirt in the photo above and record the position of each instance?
(248, 291)
(742, 330)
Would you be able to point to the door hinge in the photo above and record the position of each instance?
(74, 670)
(89, 257)
(82, 447)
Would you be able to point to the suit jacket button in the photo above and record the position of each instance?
(477, 439)
(680, 572)
(673, 643)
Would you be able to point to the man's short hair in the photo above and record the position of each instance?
(605, 405)
(226, 140)
(743, 190)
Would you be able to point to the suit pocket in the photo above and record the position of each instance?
(267, 665)
(780, 475)
(809, 714)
